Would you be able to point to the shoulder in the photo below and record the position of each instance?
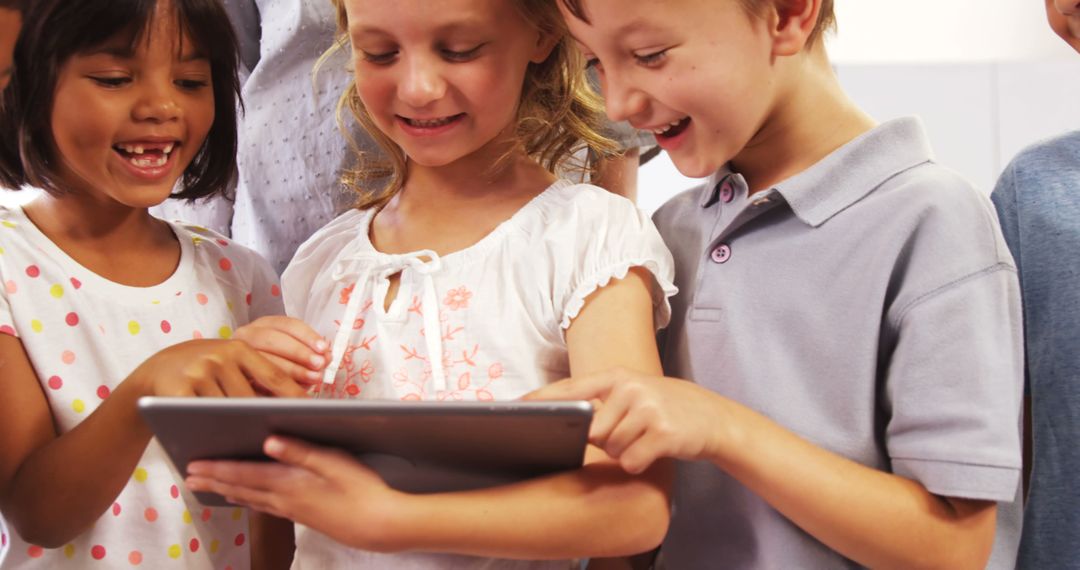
(1050, 156)
(230, 260)
(328, 241)
(679, 206)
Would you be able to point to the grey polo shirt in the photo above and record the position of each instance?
(869, 305)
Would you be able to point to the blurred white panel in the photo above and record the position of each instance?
(943, 31)
(1037, 100)
(956, 102)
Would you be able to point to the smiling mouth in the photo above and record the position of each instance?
(431, 123)
(146, 155)
(674, 129)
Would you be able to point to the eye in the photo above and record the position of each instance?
(383, 58)
(461, 55)
(192, 84)
(110, 82)
(651, 59)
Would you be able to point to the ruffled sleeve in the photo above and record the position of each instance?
(595, 237)
(307, 281)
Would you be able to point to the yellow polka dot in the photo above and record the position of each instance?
(69, 551)
(141, 475)
(197, 240)
(225, 332)
(214, 546)
(174, 551)
(237, 514)
(57, 290)
(78, 406)
(134, 328)
(229, 305)
(1, 251)
(155, 302)
(11, 225)
(36, 325)
(187, 517)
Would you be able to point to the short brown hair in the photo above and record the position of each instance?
(826, 17)
(559, 113)
(16, 5)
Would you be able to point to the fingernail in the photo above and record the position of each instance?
(273, 447)
(313, 375)
(321, 345)
(318, 361)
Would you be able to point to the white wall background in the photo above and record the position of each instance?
(988, 78)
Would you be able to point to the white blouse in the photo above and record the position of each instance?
(501, 308)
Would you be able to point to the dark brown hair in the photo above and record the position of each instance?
(55, 30)
(826, 17)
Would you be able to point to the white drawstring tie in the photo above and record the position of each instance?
(387, 265)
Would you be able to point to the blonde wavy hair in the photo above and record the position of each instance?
(559, 113)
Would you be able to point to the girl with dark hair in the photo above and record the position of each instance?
(111, 103)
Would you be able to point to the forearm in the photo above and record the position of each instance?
(52, 497)
(597, 511)
(876, 518)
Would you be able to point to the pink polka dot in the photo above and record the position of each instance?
(116, 509)
(6, 329)
(135, 558)
(205, 515)
(71, 319)
(35, 551)
(194, 545)
(103, 392)
(174, 491)
(11, 287)
(55, 382)
(67, 356)
(239, 539)
(225, 264)
(223, 243)
(275, 291)
(202, 299)
(76, 283)
(196, 335)
(166, 327)
(3, 539)
(150, 514)
(33, 271)
(98, 552)
(248, 298)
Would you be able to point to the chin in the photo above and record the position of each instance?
(693, 167)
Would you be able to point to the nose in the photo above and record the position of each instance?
(157, 102)
(422, 83)
(622, 100)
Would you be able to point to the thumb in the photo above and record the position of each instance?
(319, 460)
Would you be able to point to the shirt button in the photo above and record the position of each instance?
(727, 192)
(721, 253)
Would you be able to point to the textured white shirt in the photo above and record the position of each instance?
(84, 335)
(501, 308)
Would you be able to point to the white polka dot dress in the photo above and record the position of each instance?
(84, 335)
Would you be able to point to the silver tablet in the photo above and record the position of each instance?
(419, 447)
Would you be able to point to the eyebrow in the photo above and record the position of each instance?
(127, 53)
(466, 24)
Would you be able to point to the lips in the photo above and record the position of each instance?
(673, 129)
(431, 123)
(146, 154)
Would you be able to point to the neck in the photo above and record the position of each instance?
(79, 218)
(811, 118)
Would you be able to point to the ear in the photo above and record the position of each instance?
(791, 23)
(545, 43)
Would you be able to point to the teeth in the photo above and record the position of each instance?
(670, 126)
(150, 162)
(139, 149)
(430, 123)
(168, 148)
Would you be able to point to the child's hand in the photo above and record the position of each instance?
(213, 368)
(290, 344)
(325, 489)
(640, 419)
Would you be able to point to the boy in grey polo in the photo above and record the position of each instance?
(848, 311)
